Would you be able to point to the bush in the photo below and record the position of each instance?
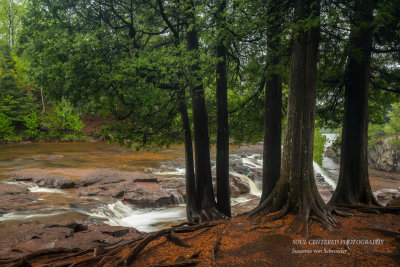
(6, 128)
(61, 121)
(393, 128)
(375, 133)
(319, 146)
(32, 124)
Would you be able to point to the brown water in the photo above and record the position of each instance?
(79, 159)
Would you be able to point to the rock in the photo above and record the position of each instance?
(16, 197)
(245, 206)
(384, 196)
(27, 238)
(43, 178)
(140, 194)
(395, 202)
(105, 177)
(324, 189)
(383, 156)
(145, 195)
(330, 153)
(238, 186)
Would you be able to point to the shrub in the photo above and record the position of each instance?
(319, 146)
(6, 128)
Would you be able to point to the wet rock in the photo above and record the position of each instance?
(27, 238)
(385, 196)
(106, 177)
(330, 153)
(324, 189)
(140, 194)
(395, 202)
(16, 197)
(43, 178)
(245, 206)
(238, 186)
(145, 195)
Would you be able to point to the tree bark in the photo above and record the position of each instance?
(223, 188)
(272, 108)
(296, 191)
(205, 196)
(353, 185)
(191, 209)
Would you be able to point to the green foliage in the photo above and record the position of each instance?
(375, 133)
(393, 128)
(61, 121)
(6, 128)
(32, 124)
(57, 123)
(319, 146)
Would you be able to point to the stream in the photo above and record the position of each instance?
(76, 160)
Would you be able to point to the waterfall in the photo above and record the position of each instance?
(318, 169)
(178, 199)
(253, 188)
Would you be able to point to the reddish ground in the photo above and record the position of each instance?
(244, 243)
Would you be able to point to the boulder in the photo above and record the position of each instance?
(238, 186)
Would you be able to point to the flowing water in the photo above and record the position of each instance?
(76, 160)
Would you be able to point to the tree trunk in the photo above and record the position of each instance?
(353, 185)
(10, 21)
(296, 191)
(205, 196)
(223, 188)
(191, 209)
(272, 109)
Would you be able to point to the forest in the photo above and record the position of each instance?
(210, 76)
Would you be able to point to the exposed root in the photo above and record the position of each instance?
(380, 230)
(371, 209)
(176, 240)
(216, 244)
(265, 228)
(342, 213)
(139, 247)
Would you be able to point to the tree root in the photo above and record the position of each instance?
(216, 244)
(176, 240)
(266, 228)
(380, 230)
(370, 209)
(139, 247)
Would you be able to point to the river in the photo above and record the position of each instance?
(76, 160)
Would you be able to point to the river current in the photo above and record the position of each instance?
(78, 159)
